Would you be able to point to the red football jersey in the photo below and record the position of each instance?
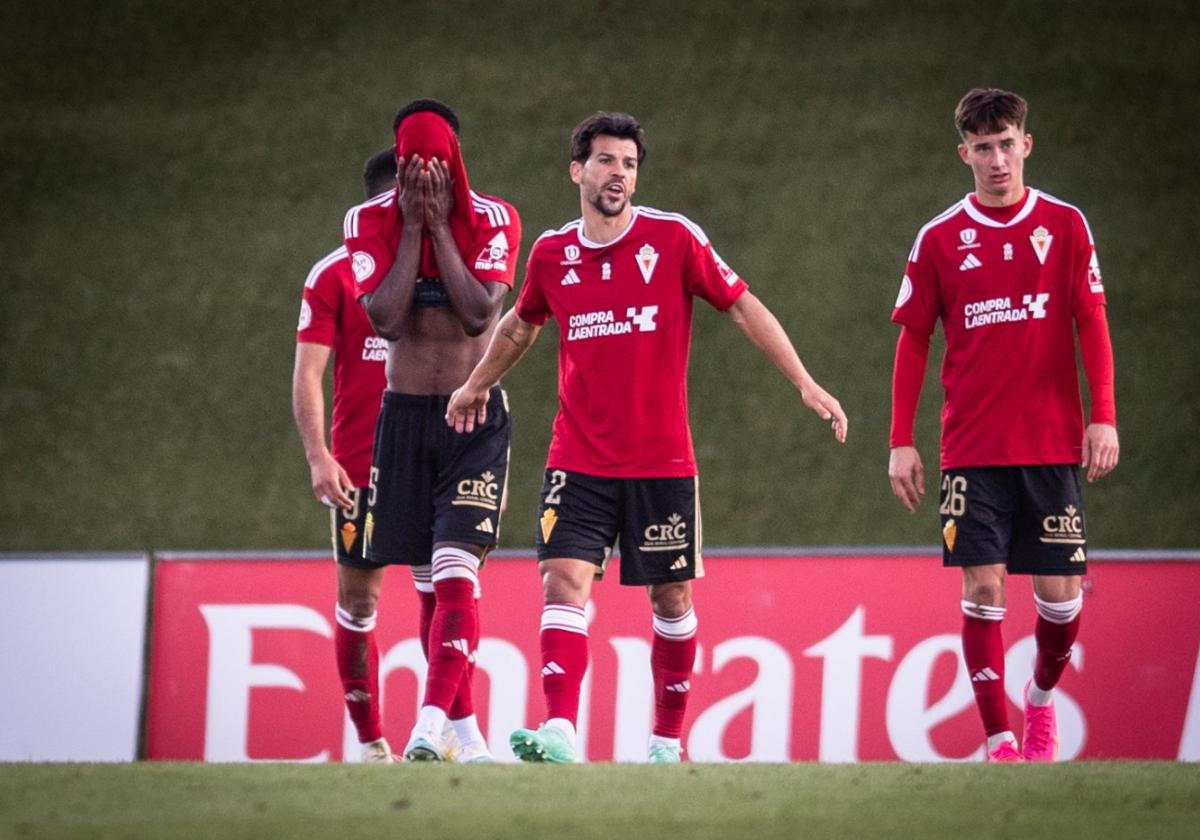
(624, 311)
(330, 314)
(372, 230)
(1006, 286)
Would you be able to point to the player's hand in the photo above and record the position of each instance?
(907, 476)
(330, 483)
(1101, 450)
(409, 193)
(467, 409)
(438, 187)
(827, 408)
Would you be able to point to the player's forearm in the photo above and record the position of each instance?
(308, 409)
(1095, 347)
(469, 299)
(509, 342)
(908, 374)
(766, 333)
(388, 306)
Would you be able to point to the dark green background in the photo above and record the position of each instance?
(169, 172)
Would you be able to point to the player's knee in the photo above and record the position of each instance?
(671, 600)
(983, 587)
(422, 578)
(566, 582)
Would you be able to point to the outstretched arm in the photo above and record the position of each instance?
(765, 332)
(468, 405)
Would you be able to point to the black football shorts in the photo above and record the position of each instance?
(654, 521)
(1028, 518)
(431, 484)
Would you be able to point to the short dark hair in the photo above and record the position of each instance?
(610, 124)
(431, 105)
(379, 172)
(989, 111)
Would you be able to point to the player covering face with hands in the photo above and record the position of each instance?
(432, 261)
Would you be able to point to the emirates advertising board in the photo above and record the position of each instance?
(802, 657)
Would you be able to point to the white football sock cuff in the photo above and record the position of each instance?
(422, 577)
(566, 617)
(350, 622)
(984, 611)
(1059, 612)
(677, 629)
(449, 563)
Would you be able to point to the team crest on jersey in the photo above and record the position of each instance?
(494, 256)
(968, 237)
(364, 265)
(305, 316)
(571, 254)
(906, 290)
(1041, 240)
(647, 258)
(606, 271)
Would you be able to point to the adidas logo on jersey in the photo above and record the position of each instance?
(551, 669)
(984, 675)
(680, 687)
(970, 262)
(681, 563)
(571, 278)
(486, 527)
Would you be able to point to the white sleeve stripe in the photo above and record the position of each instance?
(1062, 203)
(350, 225)
(501, 217)
(567, 228)
(324, 263)
(945, 214)
(696, 230)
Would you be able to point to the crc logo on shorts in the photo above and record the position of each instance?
(1065, 528)
(494, 256)
(671, 535)
(363, 264)
(482, 492)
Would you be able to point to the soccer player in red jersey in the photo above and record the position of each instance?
(621, 281)
(332, 322)
(1012, 273)
(432, 261)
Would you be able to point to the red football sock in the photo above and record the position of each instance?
(983, 650)
(358, 667)
(671, 662)
(564, 659)
(1053, 650)
(463, 706)
(428, 605)
(451, 639)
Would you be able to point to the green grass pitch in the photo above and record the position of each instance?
(1095, 800)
